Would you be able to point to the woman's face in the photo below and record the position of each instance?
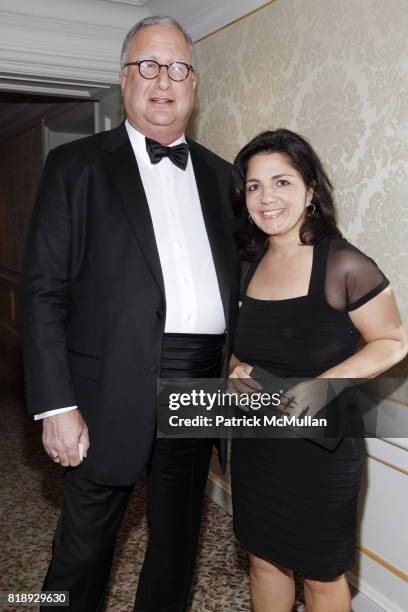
(276, 194)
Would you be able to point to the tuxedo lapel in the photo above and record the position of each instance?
(210, 197)
(123, 171)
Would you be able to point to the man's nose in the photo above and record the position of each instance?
(163, 80)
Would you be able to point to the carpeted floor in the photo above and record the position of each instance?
(30, 498)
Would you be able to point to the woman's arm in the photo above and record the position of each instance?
(381, 328)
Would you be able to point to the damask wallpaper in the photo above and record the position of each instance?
(336, 72)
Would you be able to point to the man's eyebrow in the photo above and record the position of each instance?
(151, 56)
(144, 56)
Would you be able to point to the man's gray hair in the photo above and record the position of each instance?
(152, 21)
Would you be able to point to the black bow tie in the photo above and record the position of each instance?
(177, 154)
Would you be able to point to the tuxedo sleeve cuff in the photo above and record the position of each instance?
(43, 415)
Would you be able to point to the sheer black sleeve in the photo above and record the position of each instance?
(352, 278)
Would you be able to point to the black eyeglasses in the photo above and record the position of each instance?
(150, 69)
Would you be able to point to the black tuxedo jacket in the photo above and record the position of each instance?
(93, 294)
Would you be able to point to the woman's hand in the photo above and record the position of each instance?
(240, 377)
(308, 397)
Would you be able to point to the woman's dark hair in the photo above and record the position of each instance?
(317, 225)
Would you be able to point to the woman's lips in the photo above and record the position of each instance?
(272, 214)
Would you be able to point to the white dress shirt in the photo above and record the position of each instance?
(193, 299)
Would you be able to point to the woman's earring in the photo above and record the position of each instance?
(250, 218)
(312, 208)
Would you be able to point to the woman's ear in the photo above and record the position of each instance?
(310, 193)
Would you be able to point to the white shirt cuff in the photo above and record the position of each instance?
(43, 415)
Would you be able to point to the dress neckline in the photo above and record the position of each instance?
(307, 295)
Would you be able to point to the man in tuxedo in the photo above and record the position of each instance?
(130, 273)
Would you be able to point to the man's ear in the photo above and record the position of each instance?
(122, 79)
(195, 81)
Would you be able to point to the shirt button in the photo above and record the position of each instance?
(159, 314)
(154, 368)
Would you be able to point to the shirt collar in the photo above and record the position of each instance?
(138, 142)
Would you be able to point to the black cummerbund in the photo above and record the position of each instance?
(192, 355)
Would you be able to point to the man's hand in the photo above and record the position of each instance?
(62, 434)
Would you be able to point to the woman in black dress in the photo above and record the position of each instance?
(308, 297)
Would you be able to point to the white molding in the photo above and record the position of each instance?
(15, 67)
(59, 48)
(52, 87)
(399, 442)
(361, 603)
(82, 12)
(48, 89)
(24, 79)
(202, 18)
(34, 23)
(369, 599)
(388, 450)
(132, 2)
(82, 40)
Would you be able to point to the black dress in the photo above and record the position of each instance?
(294, 501)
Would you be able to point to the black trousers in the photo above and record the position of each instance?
(85, 538)
(174, 506)
(86, 532)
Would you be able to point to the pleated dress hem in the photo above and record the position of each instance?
(298, 568)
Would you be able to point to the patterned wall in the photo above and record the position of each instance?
(337, 72)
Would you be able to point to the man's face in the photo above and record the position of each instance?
(158, 108)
